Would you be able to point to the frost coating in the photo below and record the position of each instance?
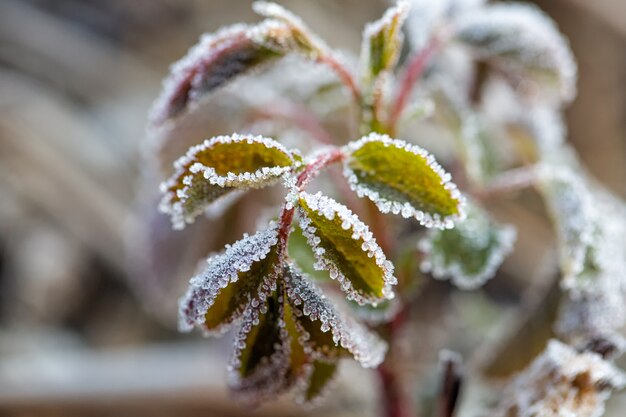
(194, 185)
(223, 270)
(561, 382)
(521, 38)
(406, 209)
(329, 208)
(382, 41)
(262, 324)
(470, 253)
(307, 300)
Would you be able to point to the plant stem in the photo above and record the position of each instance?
(343, 73)
(312, 170)
(414, 70)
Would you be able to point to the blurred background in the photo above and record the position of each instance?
(81, 333)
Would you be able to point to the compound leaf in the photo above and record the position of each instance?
(344, 246)
(403, 179)
(230, 283)
(470, 253)
(217, 167)
(524, 43)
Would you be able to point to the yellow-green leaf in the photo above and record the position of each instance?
(321, 375)
(344, 246)
(231, 281)
(217, 167)
(382, 42)
(403, 179)
(321, 330)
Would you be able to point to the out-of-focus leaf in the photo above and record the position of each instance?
(260, 360)
(403, 179)
(302, 35)
(344, 246)
(470, 253)
(524, 43)
(382, 42)
(324, 333)
(218, 166)
(320, 376)
(561, 382)
(231, 281)
(219, 58)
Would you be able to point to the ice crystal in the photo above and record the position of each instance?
(218, 166)
(561, 382)
(470, 253)
(308, 301)
(222, 273)
(522, 41)
(344, 246)
(260, 360)
(405, 179)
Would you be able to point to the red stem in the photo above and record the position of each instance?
(343, 73)
(413, 72)
(312, 170)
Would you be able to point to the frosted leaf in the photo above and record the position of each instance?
(300, 251)
(308, 41)
(470, 253)
(344, 246)
(595, 308)
(324, 333)
(559, 383)
(382, 42)
(427, 16)
(260, 360)
(219, 295)
(220, 57)
(523, 42)
(571, 206)
(212, 169)
(317, 382)
(403, 179)
(379, 314)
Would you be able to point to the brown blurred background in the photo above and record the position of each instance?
(77, 78)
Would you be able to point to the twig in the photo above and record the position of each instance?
(512, 180)
(414, 70)
(343, 73)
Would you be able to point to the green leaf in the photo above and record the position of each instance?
(524, 43)
(219, 58)
(403, 179)
(344, 246)
(322, 332)
(231, 281)
(217, 167)
(470, 253)
(382, 42)
(260, 361)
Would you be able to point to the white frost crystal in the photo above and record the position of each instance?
(221, 271)
(561, 383)
(329, 208)
(306, 299)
